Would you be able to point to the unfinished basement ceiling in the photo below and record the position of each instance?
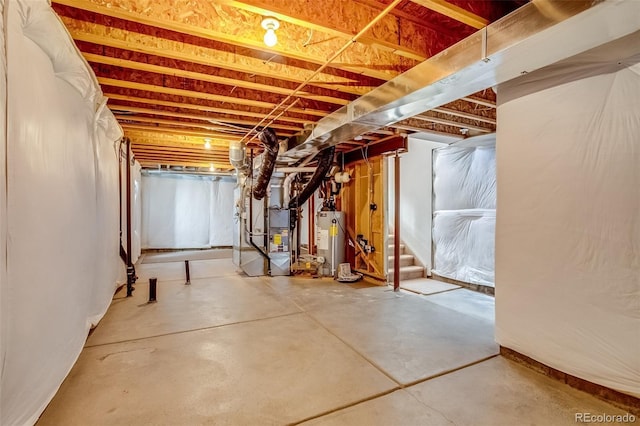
(181, 72)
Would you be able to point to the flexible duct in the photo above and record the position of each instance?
(324, 165)
(270, 142)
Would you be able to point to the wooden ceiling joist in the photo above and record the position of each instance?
(215, 21)
(126, 40)
(182, 157)
(172, 149)
(116, 108)
(414, 125)
(232, 83)
(210, 127)
(462, 114)
(207, 96)
(198, 107)
(153, 164)
(480, 101)
(332, 18)
(215, 92)
(143, 137)
(452, 11)
(146, 128)
(460, 124)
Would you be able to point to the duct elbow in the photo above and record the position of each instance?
(325, 158)
(270, 141)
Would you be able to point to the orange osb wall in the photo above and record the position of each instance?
(367, 185)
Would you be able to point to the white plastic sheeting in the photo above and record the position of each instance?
(568, 230)
(136, 212)
(464, 199)
(136, 204)
(183, 211)
(62, 227)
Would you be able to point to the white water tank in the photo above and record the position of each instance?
(330, 238)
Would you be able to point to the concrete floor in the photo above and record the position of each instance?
(233, 350)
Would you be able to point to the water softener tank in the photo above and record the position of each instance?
(330, 238)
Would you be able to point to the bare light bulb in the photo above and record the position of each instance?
(211, 168)
(270, 38)
(270, 25)
(207, 143)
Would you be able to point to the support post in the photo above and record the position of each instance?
(152, 290)
(312, 224)
(186, 270)
(396, 224)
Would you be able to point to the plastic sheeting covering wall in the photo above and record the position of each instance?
(61, 216)
(568, 230)
(183, 211)
(136, 205)
(464, 197)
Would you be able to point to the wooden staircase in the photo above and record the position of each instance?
(408, 268)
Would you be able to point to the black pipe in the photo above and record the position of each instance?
(131, 271)
(254, 245)
(270, 143)
(298, 233)
(265, 226)
(152, 290)
(325, 159)
(186, 270)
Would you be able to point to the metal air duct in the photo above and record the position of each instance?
(536, 35)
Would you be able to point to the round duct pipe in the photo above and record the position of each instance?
(237, 154)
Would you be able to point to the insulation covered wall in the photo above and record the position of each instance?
(61, 214)
(568, 228)
(182, 211)
(464, 197)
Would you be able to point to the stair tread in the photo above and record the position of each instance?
(402, 256)
(409, 268)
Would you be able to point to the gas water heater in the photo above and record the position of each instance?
(330, 238)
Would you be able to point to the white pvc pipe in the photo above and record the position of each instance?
(295, 169)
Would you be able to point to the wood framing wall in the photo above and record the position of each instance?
(366, 188)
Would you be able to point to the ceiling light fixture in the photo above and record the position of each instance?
(271, 25)
(207, 143)
(211, 168)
